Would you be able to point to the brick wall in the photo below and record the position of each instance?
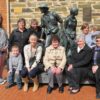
(29, 9)
(3, 12)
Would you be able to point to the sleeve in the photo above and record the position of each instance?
(46, 60)
(38, 56)
(87, 59)
(6, 40)
(26, 57)
(20, 63)
(11, 40)
(10, 64)
(63, 62)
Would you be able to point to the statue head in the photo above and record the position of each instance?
(43, 7)
(74, 11)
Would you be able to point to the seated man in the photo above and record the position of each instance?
(79, 64)
(96, 65)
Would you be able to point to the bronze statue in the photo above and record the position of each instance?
(49, 22)
(70, 24)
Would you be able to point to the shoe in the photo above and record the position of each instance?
(9, 86)
(70, 88)
(36, 84)
(98, 96)
(49, 90)
(61, 89)
(2, 81)
(74, 91)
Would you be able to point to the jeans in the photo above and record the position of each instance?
(35, 71)
(13, 76)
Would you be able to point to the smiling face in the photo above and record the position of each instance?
(98, 42)
(86, 30)
(21, 25)
(15, 51)
(55, 43)
(80, 42)
(33, 40)
(34, 24)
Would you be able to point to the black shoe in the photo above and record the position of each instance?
(9, 86)
(49, 90)
(98, 96)
(61, 89)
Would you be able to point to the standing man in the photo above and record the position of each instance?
(49, 22)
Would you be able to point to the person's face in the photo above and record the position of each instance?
(86, 30)
(21, 25)
(80, 42)
(34, 25)
(15, 51)
(98, 42)
(55, 44)
(43, 10)
(33, 40)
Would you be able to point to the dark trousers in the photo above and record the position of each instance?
(97, 77)
(76, 75)
(33, 73)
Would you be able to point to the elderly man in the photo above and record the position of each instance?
(96, 65)
(49, 22)
(79, 64)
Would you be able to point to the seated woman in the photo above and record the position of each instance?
(32, 53)
(54, 61)
(96, 65)
(79, 64)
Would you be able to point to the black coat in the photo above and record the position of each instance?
(83, 58)
(37, 32)
(20, 38)
(97, 57)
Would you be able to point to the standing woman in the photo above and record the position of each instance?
(20, 35)
(87, 34)
(54, 61)
(3, 49)
(36, 29)
(32, 53)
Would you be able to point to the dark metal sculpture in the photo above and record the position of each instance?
(70, 25)
(49, 22)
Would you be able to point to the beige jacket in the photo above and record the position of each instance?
(54, 55)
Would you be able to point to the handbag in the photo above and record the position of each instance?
(39, 65)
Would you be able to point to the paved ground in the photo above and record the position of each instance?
(86, 93)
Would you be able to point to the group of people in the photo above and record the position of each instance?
(31, 52)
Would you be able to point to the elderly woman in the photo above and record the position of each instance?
(32, 53)
(96, 65)
(54, 61)
(3, 49)
(79, 64)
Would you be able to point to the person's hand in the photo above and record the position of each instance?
(70, 67)
(29, 69)
(94, 69)
(58, 70)
(53, 70)
(4, 49)
(17, 72)
(10, 71)
(41, 40)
